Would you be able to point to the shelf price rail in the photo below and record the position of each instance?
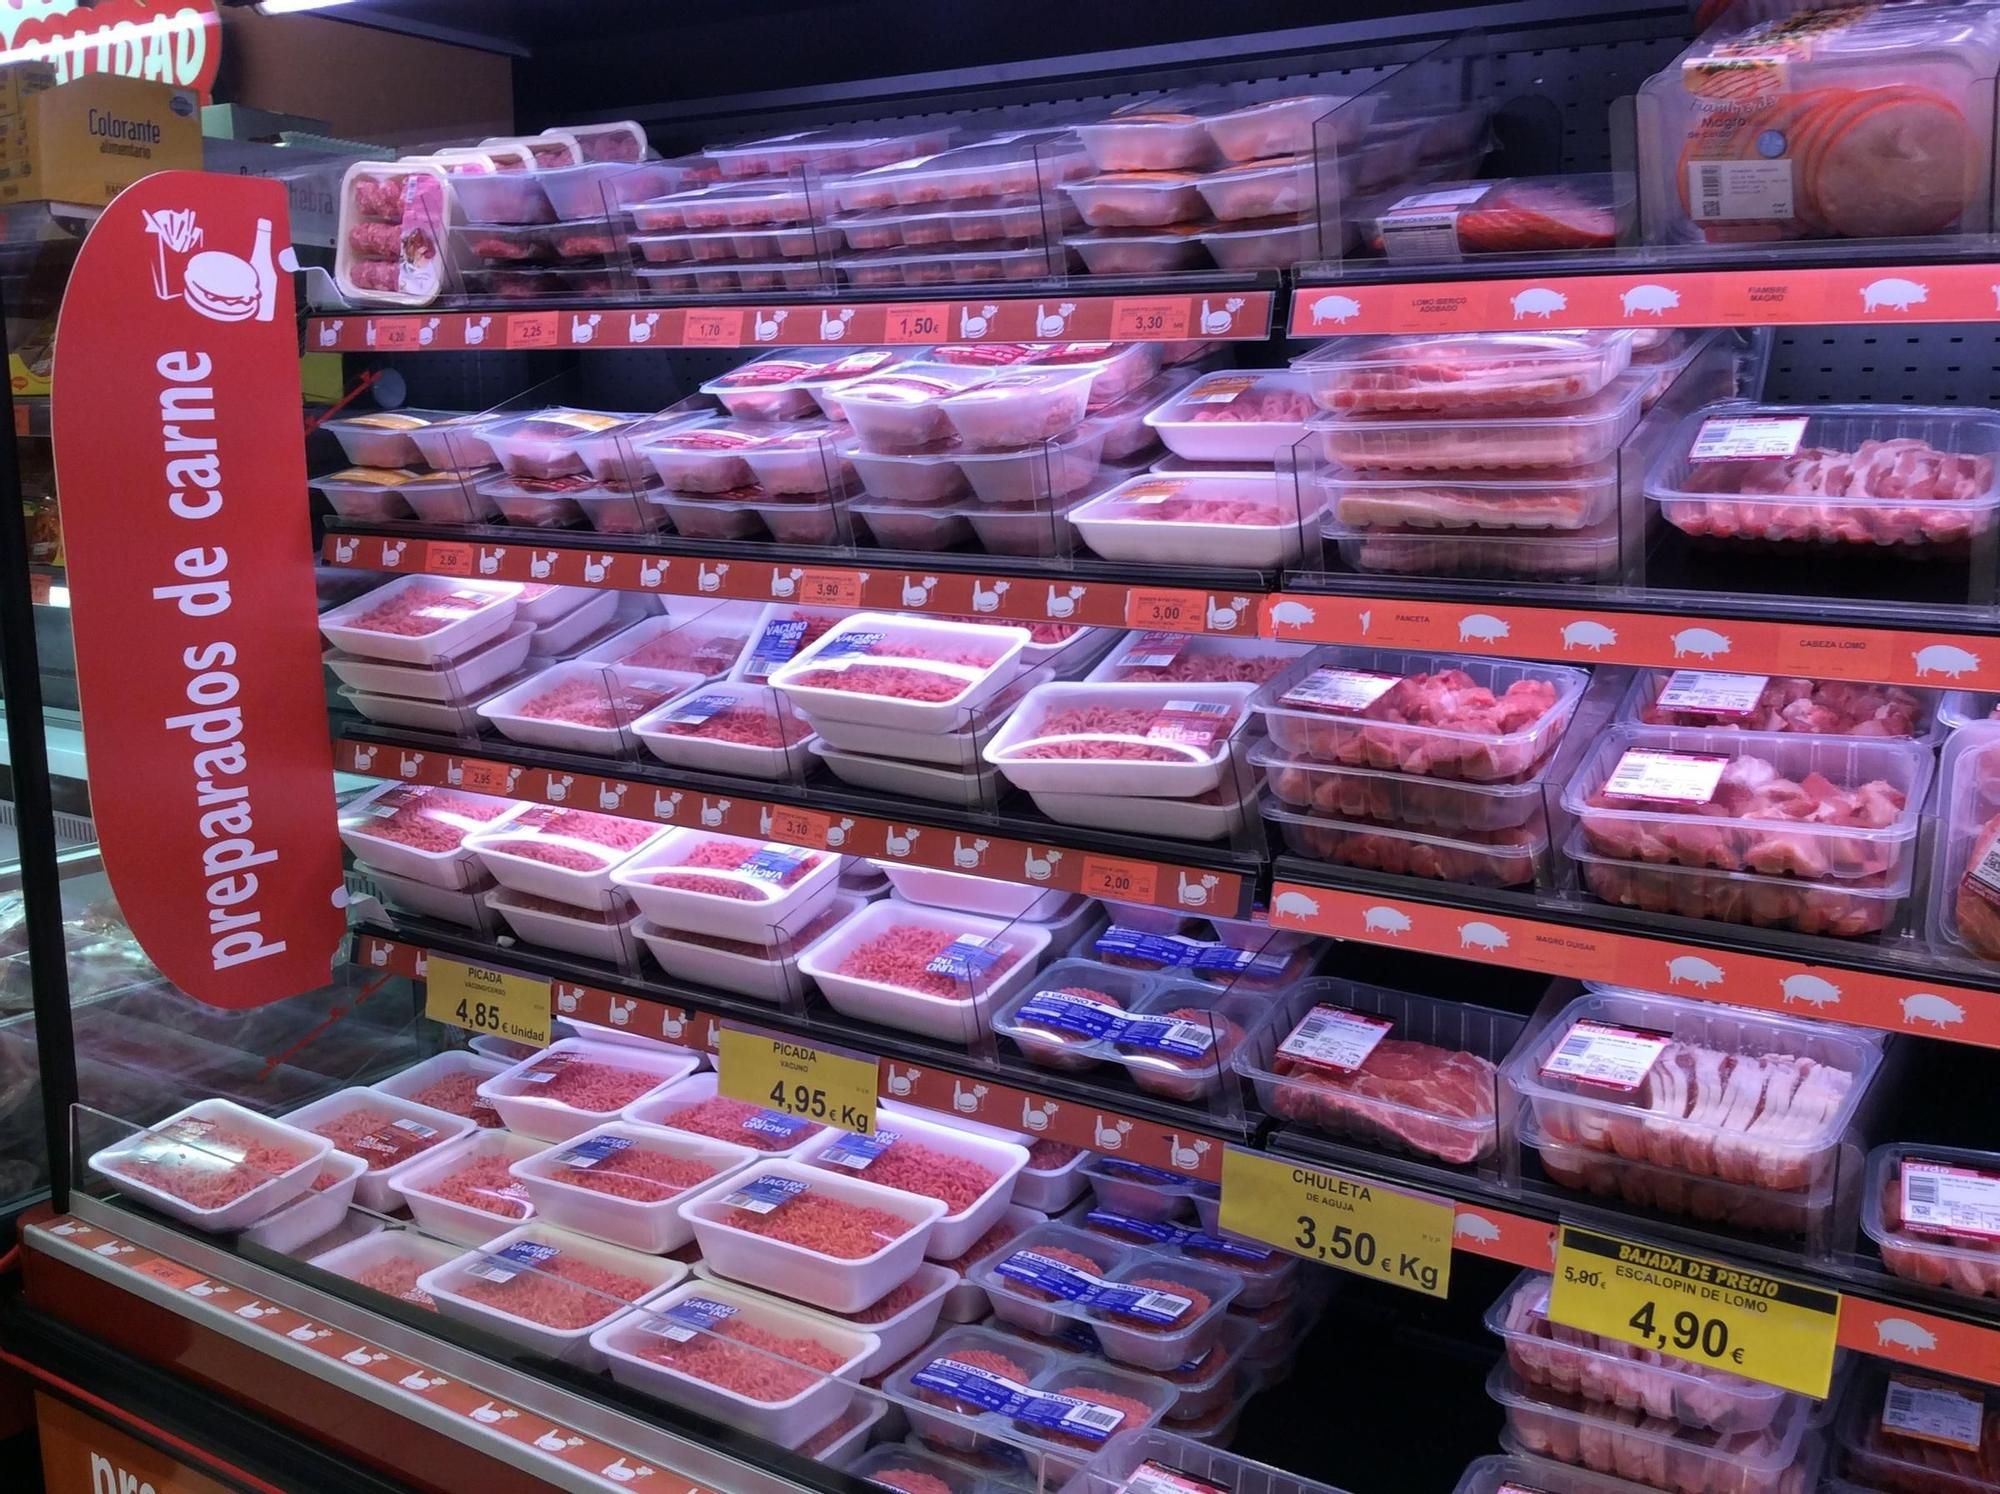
(1550, 630)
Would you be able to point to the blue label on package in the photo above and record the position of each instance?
(763, 1195)
(595, 1150)
(777, 1124)
(1178, 952)
(774, 863)
(857, 1151)
(1177, 1234)
(1138, 1171)
(844, 645)
(1186, 1037)
(1004, 1397)
(1067, 1011)
(967, 957)
(1073, 1284)
(685, 1319)
(505, 1265)
(777, 643)
(694, 712)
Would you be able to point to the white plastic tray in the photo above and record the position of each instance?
(374, 1189)
(959, 1017)
(758, 917)
(312, 1214)
(494, 602)
(531, 1113)
(955, 1233)
(999, 647)
(459, 1222)
(606, 939)
(694, 746)
(1173, 769)
(466, 677)
(162, 1144)
(653, 1226)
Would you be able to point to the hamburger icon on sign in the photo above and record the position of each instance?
(223, 287)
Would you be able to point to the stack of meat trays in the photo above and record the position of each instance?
(1483, 455)
(1909, 482)
(1384, 1071)
(1416, 764)
(423, 651)
(410, 841)
(421, 463)
(1699, 1111)
(1591, 1402)
(1905, 1429)
(1814, 834)
(1965, 869)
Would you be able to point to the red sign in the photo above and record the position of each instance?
(178, 42)
(179, 455)
(82, 1455)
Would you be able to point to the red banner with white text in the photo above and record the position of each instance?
(181, 463)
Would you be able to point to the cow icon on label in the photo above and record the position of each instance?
(1339, 310)
(1539, 301)
(1693, 970)
(221, 286)
(1652, 300)
(1901, 1333)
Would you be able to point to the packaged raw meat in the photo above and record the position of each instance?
(215, 1165)
(1557, 499)
(1150, 657)
(1584, 555)
(1235, 417)
(1777, 703)
(547, 1288)
(787, 385)
(832, 1241)
(389, 1262)
(1965, 871)
(1934, 1215)
(1029, 165)
(1918, 1433)
(1845, 909)
(1915, 478)
(825, 150)
(387, 1134)
(1409, 1074)
(746, 890)
(582, 706)
(391, 234)
(696, 1106)
(419, 832)
(422, 619)
(464, 1193)
(1868, 122)
(902, 409)
(971, 1173)
(901, 671)
(1438, 806)
(1163, 133)
(1519, 215)
(1817, 808)
(923, 970)
(1136, 199)
(734, 727)
(1694, 1088)
(620, 1182)
(1141, 251)
(456, 443)
(1060, 1020)
(1290, 126)
(1514, 857)
(1273, 242)
(1147, 1309)
(1281, 187)
(1478, 720)
(541, 443)
(1608, 1373)
(1652, 1450)
(1166, 741)
(1245, 519)
(803, 459)
(1463, 374)
(1571, 436)
(1019, 407)
(574, 1084)
(382, 438)
(561, 853)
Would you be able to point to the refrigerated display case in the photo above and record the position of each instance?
(1340, 844)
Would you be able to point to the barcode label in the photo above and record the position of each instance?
(1101, 1419)
(1157, 1478)
(1345, 690)
(1335, 1038)
(1960, 1202)
(1933, 1413)
(1666, 777)
(1154, 650)
(1712, 694)
(1748, 438)
(1599, 1053)
(1729, 191)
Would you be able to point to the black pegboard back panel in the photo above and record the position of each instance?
(1935, 365)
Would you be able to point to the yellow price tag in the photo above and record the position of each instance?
(1761, 1327)
(786, 1075)
(1355, 1223)
(515, 1007)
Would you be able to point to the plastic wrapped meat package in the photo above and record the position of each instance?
(1854, 122)
(1170, 741)
(1934, 1215)
(1235, 417)
(1244, 519)
(1919, 480)
(1713, 701)
(1413, 1075)
(1173, 1038)
(1473, 720)
(1463, 374)
(1163, 133)
(1811, 833)
(1520, 215)
(1965, 871)
(1137, 199)
(1682, 1106)
(1916, 1432)
(903, 409)
(791, 385)
(393, 219)
(1506, 440)
(906, 672)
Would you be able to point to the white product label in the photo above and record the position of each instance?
(1666, 777)
(1154, 650)
(1945, 1200)
(1221, 389)
(1598, 1053)
(1748, 438)
(1933, 1413)
(1157, 1478)
(1712, 694)
(1720, 191)
(1335, 1038)
(1424, 225)
(1340, 689)
(1985, 873)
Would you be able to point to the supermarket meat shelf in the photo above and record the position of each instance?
(1884, 284)
(1224, 307)
(1880, 1314)
(1013, 845)
(1091, 593)
(911, 1070)
(1891, 985)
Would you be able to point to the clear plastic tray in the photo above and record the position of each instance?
(1447, 220)
(415, 831)
(1409, 801)
(1815, 808)
(395, 622)
(1039, 528)
(1507, 746)
(1240, 519)
(1030, 1289)
(1141, 1192)
(1686, 1049)
(1558, 499)
(1268, 1276)
(903, 409)
(1137, 199)
(1281, 187)
(1878, 1457)
(1653, 1451)
(1162, 133)
(541, 443)
(1287, 126)
(1019, 407)
(1235, 417)
(1515, 857)
(1965, 871)
(1141, 251)
(1173, 1038)
(532, 1104)
(1393, 1098)
(478, 1212)
(1463, 374)
(1606, 1372)
(1578, 435)
(1958, 1247)
(1708, 700)
(1822, 481)
(1963, 707)
(1148, 657)
(787, 385)
(382, 438)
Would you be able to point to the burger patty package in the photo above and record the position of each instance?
(393, 216)
(1858, 121)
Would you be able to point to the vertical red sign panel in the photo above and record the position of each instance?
(176, 414)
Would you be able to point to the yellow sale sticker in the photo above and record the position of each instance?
(1356, 1223)
(1761, 1327)
(784, 1074)
(515, 1007)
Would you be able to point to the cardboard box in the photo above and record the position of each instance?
(86, 141)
